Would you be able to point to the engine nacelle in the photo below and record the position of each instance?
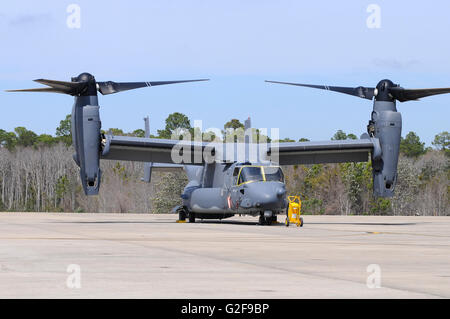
(386, 126)
(87, 142)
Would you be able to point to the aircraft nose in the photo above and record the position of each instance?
(266, 195)
(281, 192)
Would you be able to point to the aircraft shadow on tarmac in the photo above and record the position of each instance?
(367, 224)
(236, 222)
(116, 222)
(228, 222)
(223, 222)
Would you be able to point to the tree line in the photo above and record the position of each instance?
(37, 173)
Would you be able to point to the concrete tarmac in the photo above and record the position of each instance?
(151, 256)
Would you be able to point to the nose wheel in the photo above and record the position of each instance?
(267, 220)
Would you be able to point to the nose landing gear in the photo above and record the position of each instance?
(266, 219)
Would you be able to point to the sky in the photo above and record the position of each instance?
(236, 44)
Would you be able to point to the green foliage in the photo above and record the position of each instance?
(8, 139)
(25, 137)
(442, 142)
(62, 187)
(285, 140)
(209, 136)
(175, 123)
(380, 206)
(64, 130)
(233, 131)
(411, 145)
(303, 140)
(46, 140)
(138, 133)
(341, 135)
(234, 124)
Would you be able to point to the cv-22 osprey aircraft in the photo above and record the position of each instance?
(221, 185)
(242, 182)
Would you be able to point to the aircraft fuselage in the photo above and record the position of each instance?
(220, 190)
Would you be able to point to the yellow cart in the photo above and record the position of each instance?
(294, 211)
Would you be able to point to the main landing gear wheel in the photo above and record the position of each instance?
(261, 220)
(191, 217)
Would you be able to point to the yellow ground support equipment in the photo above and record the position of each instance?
(294, 211)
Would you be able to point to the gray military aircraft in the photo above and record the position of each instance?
(227, 187)
(221, 182)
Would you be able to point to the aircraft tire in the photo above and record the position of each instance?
(191, 217)
(182, 215)
(262, 220)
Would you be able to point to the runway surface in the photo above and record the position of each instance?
(151, 256)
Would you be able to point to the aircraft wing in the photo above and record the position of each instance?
(153, 150)
(324, 152)
(126, 148)
(167, 168)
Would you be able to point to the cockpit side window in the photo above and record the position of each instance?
(235, 175)
(240, 181)
(273, 173)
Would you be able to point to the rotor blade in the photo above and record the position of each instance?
(360, 91)
(404, 95)
(115, 87)
(62, 87)
(59, 84)
(45, 90)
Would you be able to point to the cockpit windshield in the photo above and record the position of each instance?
(250, 174)
(273, 173)
(260, 173)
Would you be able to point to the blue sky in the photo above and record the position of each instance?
(238, 45)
